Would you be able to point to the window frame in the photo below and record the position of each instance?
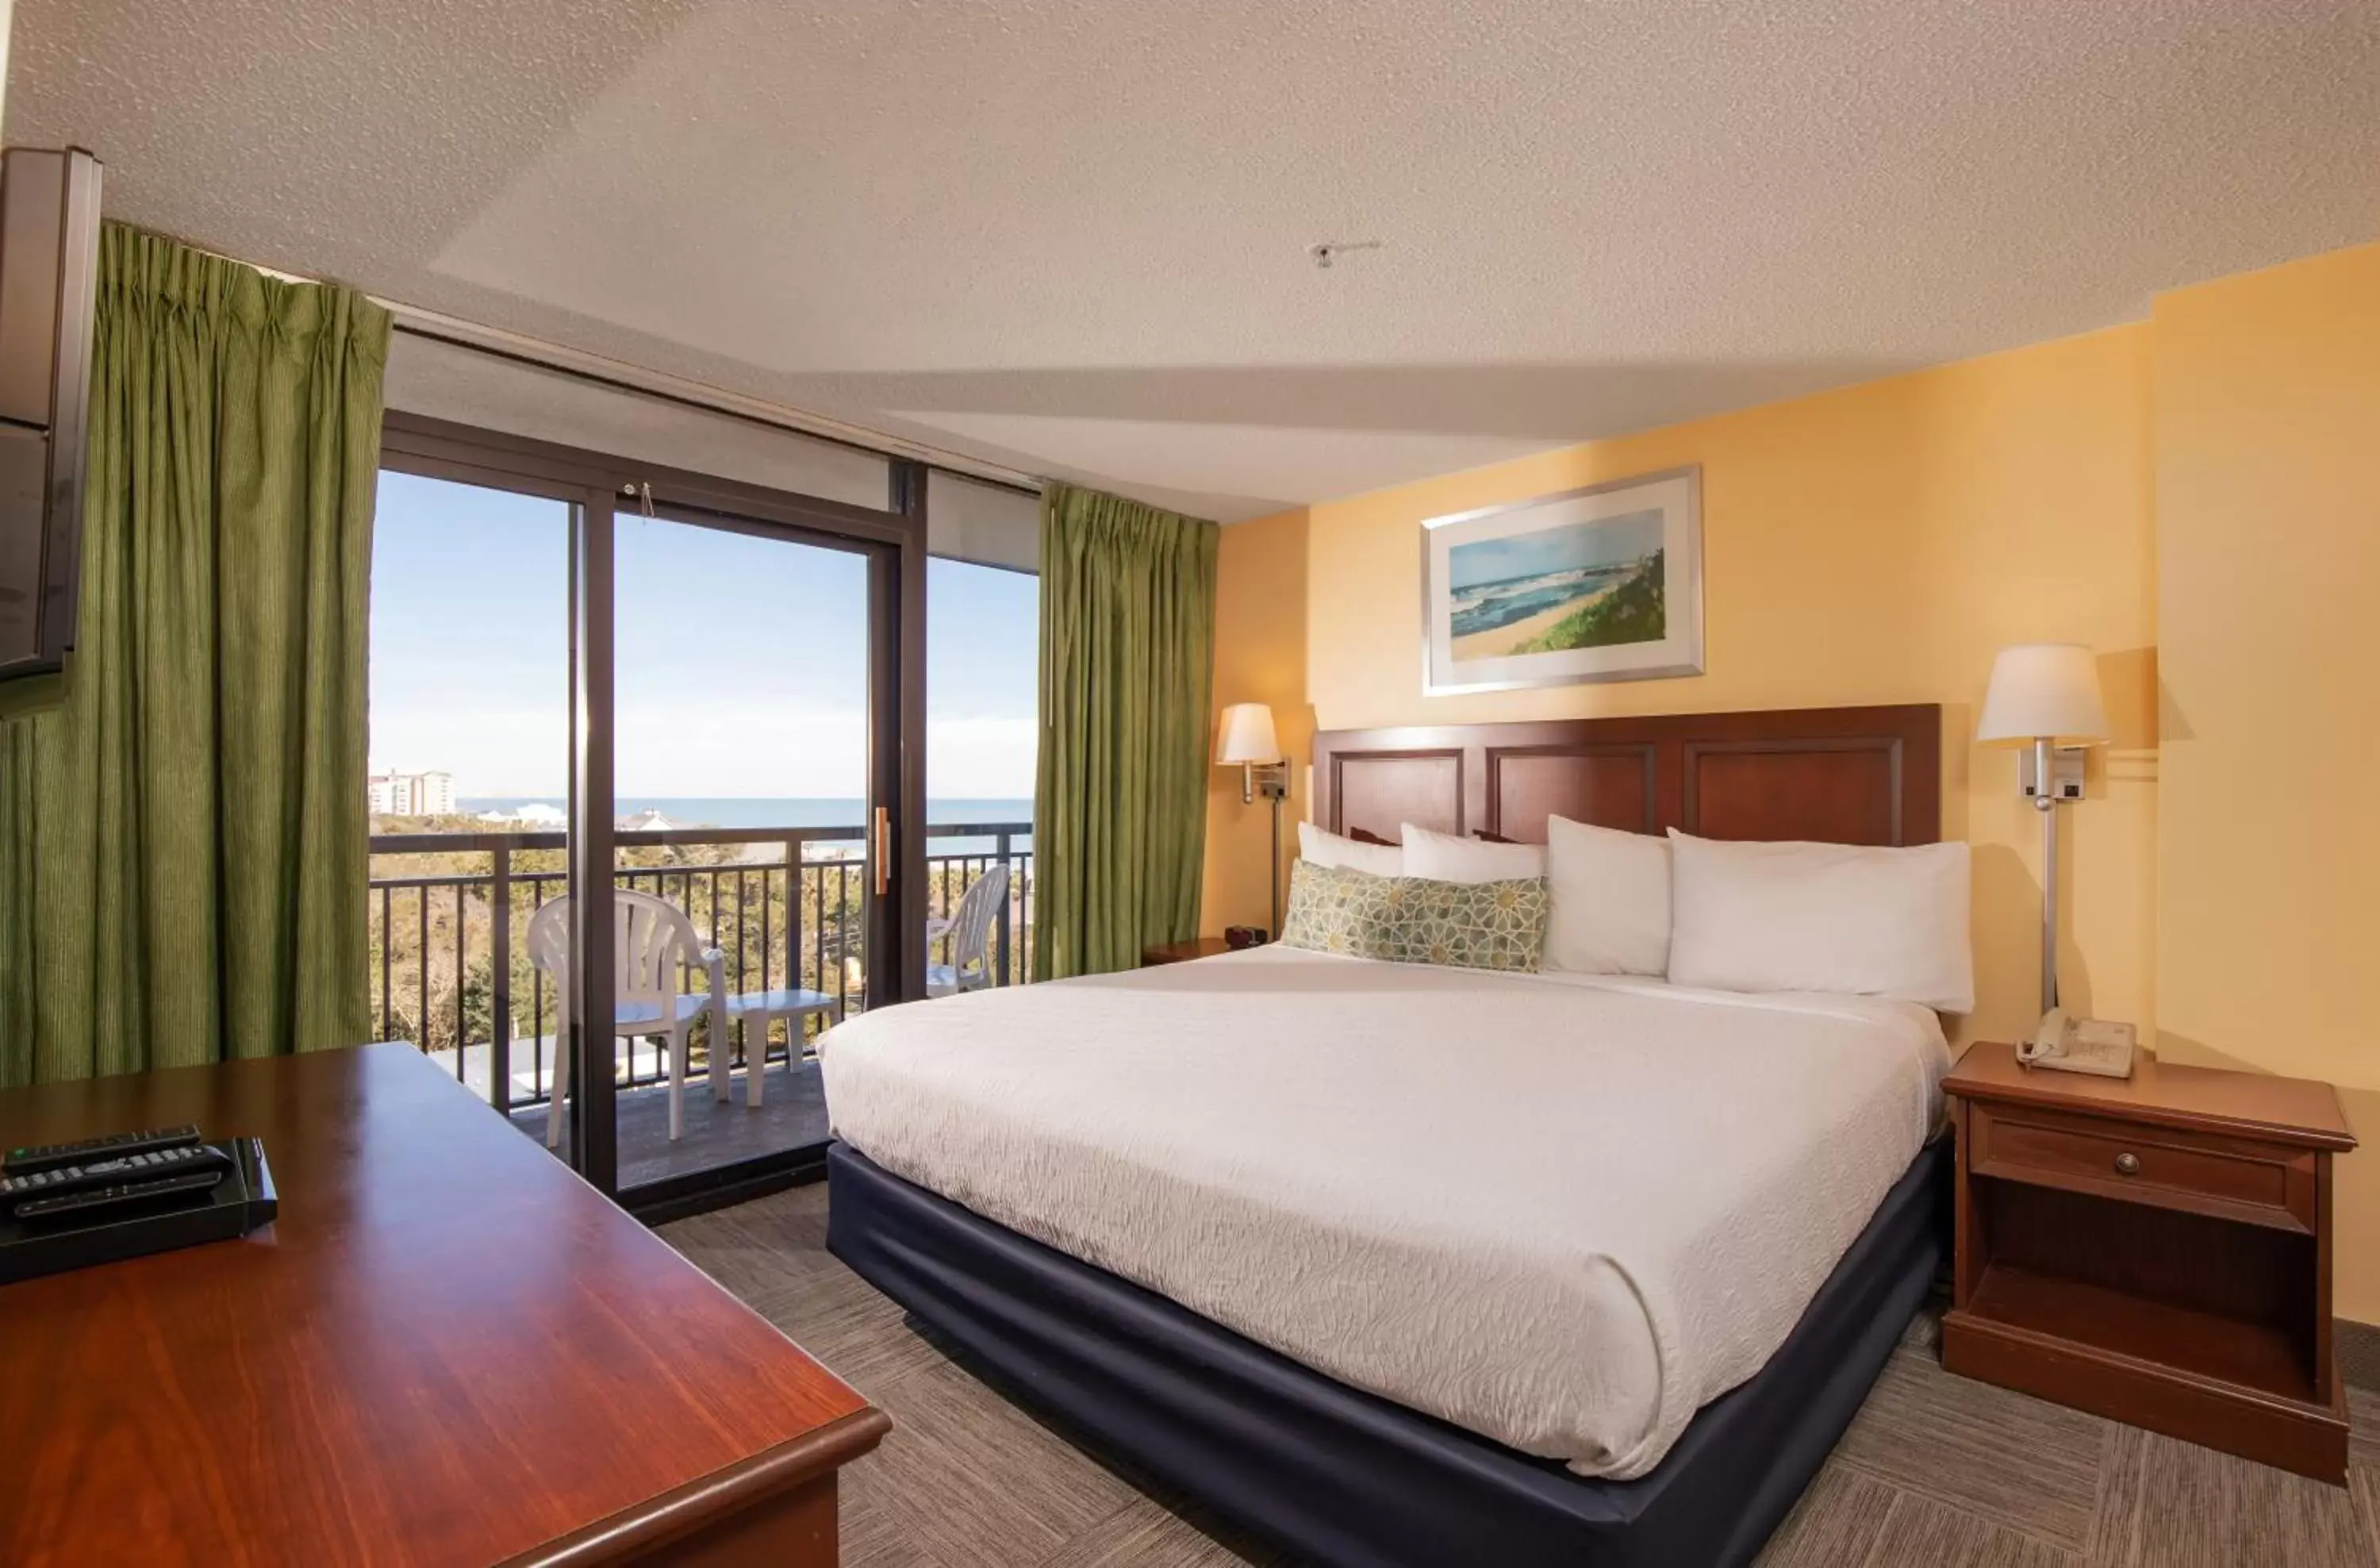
(598, 486)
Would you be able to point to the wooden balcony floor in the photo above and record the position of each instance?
(791, 1115)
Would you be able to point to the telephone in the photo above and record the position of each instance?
(2080, 1045)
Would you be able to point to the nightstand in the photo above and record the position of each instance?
(1183, 952)
(2156, 1249)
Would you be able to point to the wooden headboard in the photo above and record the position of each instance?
(1839, 775)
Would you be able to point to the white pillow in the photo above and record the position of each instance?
(1442, 858)
(1608, 900)
(1822, 916)
(1326, 848)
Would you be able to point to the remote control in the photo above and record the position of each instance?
(122, 1195)
(17, 1191)
(115, 1145)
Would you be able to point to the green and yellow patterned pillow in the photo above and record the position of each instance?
(1412, 920)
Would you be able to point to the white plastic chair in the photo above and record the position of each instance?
(652, 942)
(969, 929)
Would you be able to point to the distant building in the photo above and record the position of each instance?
(536, 814)
(411, 795)
(645, 821)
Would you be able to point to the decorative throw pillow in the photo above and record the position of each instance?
(1409, 920)
(1499, 925)
(1335, 909)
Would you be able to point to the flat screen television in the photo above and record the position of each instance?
(49, 271)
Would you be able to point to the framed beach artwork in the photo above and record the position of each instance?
(1600, 584)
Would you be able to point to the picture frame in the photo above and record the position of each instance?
(1603, 583)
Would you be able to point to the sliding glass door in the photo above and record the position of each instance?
(469, 785)
(743, 803)
(728, 854)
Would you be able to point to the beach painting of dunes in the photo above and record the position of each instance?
(1596, 584)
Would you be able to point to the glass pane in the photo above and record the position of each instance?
(982, 640)
(740, 725)
(470, 778)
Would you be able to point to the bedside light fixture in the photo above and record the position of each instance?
(1245, 740)
(2046, 696)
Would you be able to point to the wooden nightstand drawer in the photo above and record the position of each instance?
(2230, 1178)
(1184, 952)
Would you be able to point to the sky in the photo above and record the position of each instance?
(1597, 543)
(741, 661)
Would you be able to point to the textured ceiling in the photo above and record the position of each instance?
(1071, 235)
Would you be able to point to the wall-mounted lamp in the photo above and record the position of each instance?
(1245, 740)
(2046, 696)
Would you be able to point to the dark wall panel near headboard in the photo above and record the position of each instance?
(1381, 790)
(1844, 792)
(1843, 775)
(1613, 786)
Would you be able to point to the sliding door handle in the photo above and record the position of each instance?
(883, 850)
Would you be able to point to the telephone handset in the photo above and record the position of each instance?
(2080, 1045)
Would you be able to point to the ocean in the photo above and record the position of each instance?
(1485, 606)
(793, 811)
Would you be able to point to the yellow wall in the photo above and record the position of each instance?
(2196, 497)
(2267, 400)
(1260, 617)
(1875, 545)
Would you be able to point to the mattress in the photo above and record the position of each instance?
(1560, 1212)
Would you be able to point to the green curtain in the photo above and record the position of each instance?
(183, 847)
(1120, 803)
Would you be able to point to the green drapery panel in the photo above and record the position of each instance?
(183, 849)
(1120, 802)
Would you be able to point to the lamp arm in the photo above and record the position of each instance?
(2045, 800)
(1273, 868)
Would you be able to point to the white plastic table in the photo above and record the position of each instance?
(757, 1009)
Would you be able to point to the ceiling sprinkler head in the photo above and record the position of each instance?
(1330, 250)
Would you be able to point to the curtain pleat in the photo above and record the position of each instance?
(1127, 651)
(183, 845)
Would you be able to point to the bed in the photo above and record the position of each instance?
(1404, 1264)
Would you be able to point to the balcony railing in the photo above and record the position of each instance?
(450, 967)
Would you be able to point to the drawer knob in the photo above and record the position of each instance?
(2128, 1164)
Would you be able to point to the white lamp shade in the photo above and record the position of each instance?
(2044, 691)
(1245, 736)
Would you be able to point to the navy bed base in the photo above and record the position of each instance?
(1344, 1477)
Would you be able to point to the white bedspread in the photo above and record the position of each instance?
(1563, 1211)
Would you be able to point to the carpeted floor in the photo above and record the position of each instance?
(1937, 1471)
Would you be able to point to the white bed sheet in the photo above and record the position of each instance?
(1561, 1211)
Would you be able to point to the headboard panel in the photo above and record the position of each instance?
(1841, 775)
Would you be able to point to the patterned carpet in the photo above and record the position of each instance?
(1936, 1472)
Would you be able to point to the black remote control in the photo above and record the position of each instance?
(115, 1145)
(190, 1184)
(17, 1192)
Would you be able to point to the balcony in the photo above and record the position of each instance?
(450, 969)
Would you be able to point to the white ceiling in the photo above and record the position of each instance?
(1071, 235)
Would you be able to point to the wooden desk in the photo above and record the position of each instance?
(2155, 1248)
(448, 1349)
